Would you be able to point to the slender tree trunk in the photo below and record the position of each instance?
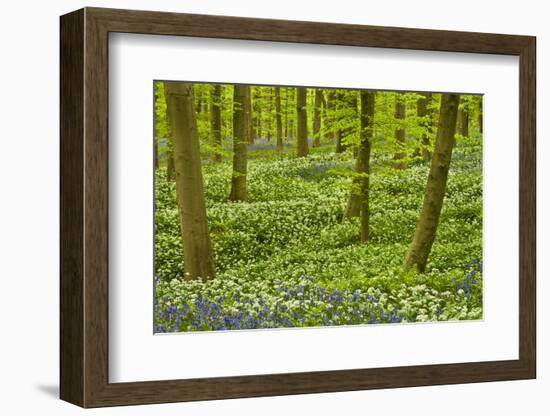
(426, 228)
(480, 114)
(338, 133)
(363, 157)
(285, 125)
(241, 130)
(425, 121)
(317, 117)
(156, 153)
(258, 115)
(291, 113)
(256, 112)
(278, 119)
(197, 248)
(339, 146)
(463, 120)
(352, 102)
(301, 114)
(253, 131)
(216, 120)
(400, 155)
(358, 201)
(331, 109)
(199, 103)
(226, 122)
(429, 125)
(269, 117)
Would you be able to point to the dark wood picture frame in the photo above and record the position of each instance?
(84, 207)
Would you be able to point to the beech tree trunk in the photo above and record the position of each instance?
(480, 114)
(317, 117)
(241, 130)
(363, 158)
(269, 124)
(253, 127)
(278, 119)
(338, 133)
(426, 228)
(426, 121)
(199, 103)
(197, 248)
(339, 145)
(329, 114)
(291, 113)
(301, 115)
(216, 121)
(463, 120)
(257, 114)
(351, 102)
(156, 152)
(400, 155)
(286, 126)
(359, 194)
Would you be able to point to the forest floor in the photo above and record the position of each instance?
(286, 258)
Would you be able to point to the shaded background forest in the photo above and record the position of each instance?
(319, 207)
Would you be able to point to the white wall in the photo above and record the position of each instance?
(29, 208)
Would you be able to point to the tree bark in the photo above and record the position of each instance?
(339, 145)
(338, 133)
(351, 100)
(329, 115)
(253, 130)
(426, 121)
(241, 130)
(463, 120)
(284, 104)
(256, 113)
(199, 103)
(317, 117)
(363, 158)
(400, 155)
(301, 114)
(269, 126)
(197, 248)
(291, 113)
(278, 118)
(480, 114)
(426, 228)
(216, 121)
(156, 152)
(358, 200)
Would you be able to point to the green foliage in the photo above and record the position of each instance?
(161, 121)
(162, 126)
(290, 235)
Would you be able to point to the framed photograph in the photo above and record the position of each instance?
(254, 207)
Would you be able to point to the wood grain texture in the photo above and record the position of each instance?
(84, 207)
(527, 207)
(226, 27)
(71, 208)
